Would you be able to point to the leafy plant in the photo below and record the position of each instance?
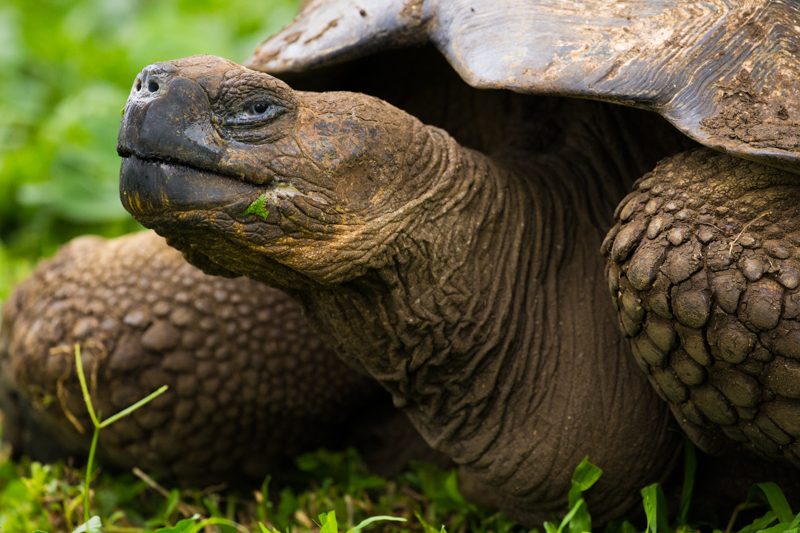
(578, 519)
(35, 496)
(328, 524)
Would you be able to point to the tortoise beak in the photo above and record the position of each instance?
(168, 117)
(149, 188)
(170, 149)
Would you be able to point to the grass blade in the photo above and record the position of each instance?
(550, 527)
(655, 508)
(87, 399)
(87, 483)
(776, 500)
(779, 528)
(689, 470)
(371, 520)
(568, 518)
(758, 524)
(583, 478)
(328, 523)
(133, 407)
(98, 425)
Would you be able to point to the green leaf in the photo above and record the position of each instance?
(776, 500)
(569, 517)
(583, 478)
(328, 523)
(258, 207)
(191, 525)
(759, 523)
(655, 508)
(452, 490)
(171, 503)
(426, 527)
(550, 527)
(779, 528)
(93, 525)
(182, 526)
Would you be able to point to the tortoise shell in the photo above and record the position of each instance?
(724, 73)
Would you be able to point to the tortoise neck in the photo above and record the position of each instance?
(487, 315)
(402, 321)
(493, 257)
(447, 324)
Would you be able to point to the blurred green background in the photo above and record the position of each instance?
(66, 67)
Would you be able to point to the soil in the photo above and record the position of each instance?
(753, 116)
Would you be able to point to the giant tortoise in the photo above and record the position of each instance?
(438, 191)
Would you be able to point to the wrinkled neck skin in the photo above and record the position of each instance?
(491, 326)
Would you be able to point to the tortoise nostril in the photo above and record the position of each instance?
(138, 85)
(152, 86)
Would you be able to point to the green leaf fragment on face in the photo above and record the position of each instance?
(258, 207)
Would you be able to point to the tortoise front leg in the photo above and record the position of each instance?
(704, 269)
(250, 385)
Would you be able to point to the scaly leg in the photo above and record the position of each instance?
(704, 268)
(250, 385)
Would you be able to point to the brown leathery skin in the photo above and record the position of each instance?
(250, 385)
(704, 269)
(469, 287)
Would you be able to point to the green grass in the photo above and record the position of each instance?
(49, 497)
(99, 425)
(67, 67)
(337, 494)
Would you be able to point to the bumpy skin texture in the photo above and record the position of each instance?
(468, 286)
(704, 269)
(250, 385)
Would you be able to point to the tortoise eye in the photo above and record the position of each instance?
(254, 113)
(259, 108)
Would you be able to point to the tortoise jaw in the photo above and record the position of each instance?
(156, 188)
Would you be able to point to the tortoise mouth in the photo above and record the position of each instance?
(156, 187)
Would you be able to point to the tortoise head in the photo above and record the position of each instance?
(247, 176)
